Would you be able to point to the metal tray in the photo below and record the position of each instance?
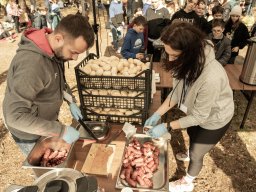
(35, 155)
(161, 177)
(100, 130)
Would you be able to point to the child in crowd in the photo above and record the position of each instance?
(222, 45)
(134, 40)
(13, 9)
(39, 19)
(116, 15)
(217, 13)
(171, 8)
(5, 34)
(200, 10)
(138, 12)
(55, 14)
(237, 32)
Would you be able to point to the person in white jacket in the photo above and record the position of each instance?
(201, 90)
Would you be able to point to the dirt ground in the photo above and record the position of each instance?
(229, 167)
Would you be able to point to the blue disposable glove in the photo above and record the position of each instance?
(75, 111)
(70, 135)
(158, 131)
(152, 121)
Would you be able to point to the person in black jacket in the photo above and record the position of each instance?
(200, 11)
(217, 13)
(157, 17)
(222, 45)
(237, 32)
(188, 14)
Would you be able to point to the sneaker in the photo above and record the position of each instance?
(183, 156)
(180, 186)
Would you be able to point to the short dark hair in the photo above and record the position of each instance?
(217, 9)
(140, 20)
(218, 23)
(201, 2)
(75, 26)
(190, 41)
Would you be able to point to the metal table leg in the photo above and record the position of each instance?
(247, 109)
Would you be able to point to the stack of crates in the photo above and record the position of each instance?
(116, 99)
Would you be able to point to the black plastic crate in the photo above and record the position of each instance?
(141, 84)
(137, 118)
(138, 101)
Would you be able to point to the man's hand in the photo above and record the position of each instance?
(158, 131)
(152, 121)
(70, 135)
(235, 49)
(139, 56)
(120, 28)
(75, 111)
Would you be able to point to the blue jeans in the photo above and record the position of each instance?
(25, 146)
(116, 35)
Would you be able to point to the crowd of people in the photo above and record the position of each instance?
(227, 15)
(194, 50)
(38, 17)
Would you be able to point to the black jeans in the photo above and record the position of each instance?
(17, 23)
(201, 141)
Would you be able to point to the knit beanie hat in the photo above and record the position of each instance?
(236, 10)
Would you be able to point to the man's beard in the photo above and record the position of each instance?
(59, 55)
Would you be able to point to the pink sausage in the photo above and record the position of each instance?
(141, 181)
(47, 154)
(122, 175)
(131, 182)
(53, 154)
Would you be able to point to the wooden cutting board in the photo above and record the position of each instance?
(100, 159)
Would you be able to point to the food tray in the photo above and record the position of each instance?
(161, 176)
(34, 157)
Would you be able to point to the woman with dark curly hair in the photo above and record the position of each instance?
(201, 90)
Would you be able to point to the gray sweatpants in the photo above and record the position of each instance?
(201, 141)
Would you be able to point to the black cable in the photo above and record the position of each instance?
(173, 92)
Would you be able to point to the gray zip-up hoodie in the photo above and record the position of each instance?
(209, 100)
(34, 91)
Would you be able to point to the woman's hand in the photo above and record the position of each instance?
(152, 121)
(158, 130)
